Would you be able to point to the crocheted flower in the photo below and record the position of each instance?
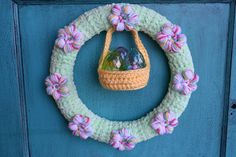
(186, 82)
(69, 38)
(122, 139)
(56, 86)
(170, 38)
(80, 126)
(123, 17)
(164, 123)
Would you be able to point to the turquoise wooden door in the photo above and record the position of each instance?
(31, 124)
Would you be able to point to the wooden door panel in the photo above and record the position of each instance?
(46, 133)
(12, 115)
(47, 129)
(231, 134)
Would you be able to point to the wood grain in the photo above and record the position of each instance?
(13, 131)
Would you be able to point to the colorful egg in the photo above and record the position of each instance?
(121, 59)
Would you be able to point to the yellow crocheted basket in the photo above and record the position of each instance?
(124, 80)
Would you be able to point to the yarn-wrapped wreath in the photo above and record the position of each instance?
(122, 135)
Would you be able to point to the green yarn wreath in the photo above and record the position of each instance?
(91, 23)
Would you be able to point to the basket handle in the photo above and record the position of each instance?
(137, 41)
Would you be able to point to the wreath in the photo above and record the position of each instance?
(122, 135)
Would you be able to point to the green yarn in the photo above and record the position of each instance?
(92, 23)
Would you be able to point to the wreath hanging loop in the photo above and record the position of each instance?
(124, 80)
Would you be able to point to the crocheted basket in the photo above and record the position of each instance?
(124, 80)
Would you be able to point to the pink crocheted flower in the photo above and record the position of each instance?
(164, 123)
(170, 38)
(186, 82)
(123, 17)
(80, 126)
(69, 38)
(56, 86)
(122, 139)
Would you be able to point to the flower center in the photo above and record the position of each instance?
(124, 16)
(166, 122)
(124, 141)
(56, 86)
(70, 39)
(174, 37)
